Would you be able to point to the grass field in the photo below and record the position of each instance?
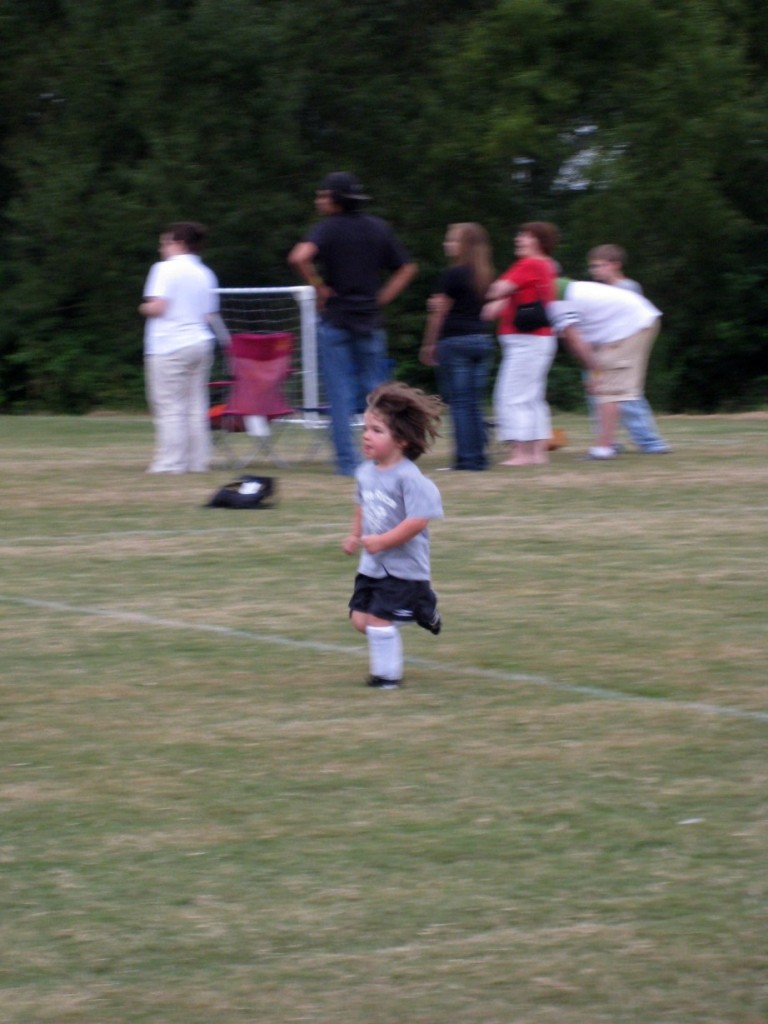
(208, 819)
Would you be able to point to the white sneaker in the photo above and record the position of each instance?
(601, 453)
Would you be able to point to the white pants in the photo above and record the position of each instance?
(520, 393)
(177, 391)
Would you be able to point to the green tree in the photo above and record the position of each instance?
(136, 117)
(642, 123)
(636, 121)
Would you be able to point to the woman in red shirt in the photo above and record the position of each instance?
(520, 402)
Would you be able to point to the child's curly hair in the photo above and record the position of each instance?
(412, 415)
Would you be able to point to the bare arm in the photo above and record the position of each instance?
(400, 534)
(153, 307)
(438, 306)
(493, 310)
(501, 289)
(578, 347)
(497, 297)
(399, 281)
(302, 258)
(219, 329)
(352, 542)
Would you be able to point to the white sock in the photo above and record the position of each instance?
(385, 652)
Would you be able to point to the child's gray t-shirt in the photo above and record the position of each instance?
(387, 497)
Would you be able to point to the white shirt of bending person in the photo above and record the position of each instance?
(602, 313)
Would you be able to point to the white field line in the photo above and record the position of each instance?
(595, 692)
(108, 535)
(717, 512)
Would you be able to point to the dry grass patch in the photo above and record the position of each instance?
(208, 819)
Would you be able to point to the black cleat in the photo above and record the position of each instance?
(434, 625)
(384, 684)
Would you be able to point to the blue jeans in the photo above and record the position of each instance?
(351, 365)
(464, 364)
(637, 419)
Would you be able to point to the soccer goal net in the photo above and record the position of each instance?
(287, 310)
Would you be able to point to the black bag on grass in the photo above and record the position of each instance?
(247, 492)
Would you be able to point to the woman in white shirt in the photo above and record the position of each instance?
(179, 298)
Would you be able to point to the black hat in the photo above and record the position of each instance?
(343, 186)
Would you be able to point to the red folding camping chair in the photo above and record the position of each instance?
(253, 398)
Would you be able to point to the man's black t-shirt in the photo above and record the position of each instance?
(354, 250)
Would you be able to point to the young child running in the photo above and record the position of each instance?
(394, 504)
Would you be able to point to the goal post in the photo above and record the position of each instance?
(290, 309)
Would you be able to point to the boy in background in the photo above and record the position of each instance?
(394, 505)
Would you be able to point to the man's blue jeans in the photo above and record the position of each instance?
(352, 365)
(464, 363)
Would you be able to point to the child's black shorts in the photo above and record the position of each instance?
(394, 600)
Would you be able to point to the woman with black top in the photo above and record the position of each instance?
(459, 343)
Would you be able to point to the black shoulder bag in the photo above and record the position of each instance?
(530, 316)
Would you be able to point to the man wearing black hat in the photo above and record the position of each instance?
(353, 250)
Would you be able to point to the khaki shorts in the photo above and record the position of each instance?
(622, 366)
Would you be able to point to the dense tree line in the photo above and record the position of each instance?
(642, 122)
